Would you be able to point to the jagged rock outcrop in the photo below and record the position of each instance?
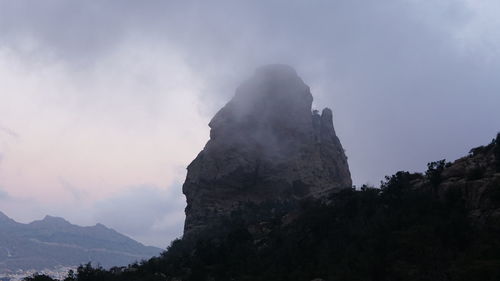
(472, 180)
(265, 144)
(476, 180)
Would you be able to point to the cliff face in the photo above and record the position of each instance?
(265, 144)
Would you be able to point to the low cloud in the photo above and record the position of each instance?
(3, 194)
(149, 214)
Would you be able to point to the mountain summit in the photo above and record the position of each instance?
(265, 144)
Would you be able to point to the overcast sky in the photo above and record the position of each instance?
(104, 103)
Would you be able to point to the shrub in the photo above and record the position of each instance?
(434, 170)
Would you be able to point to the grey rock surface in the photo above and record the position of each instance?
(265, 144)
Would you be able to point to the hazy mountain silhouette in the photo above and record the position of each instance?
(53, 241)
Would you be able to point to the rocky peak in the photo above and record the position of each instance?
(51, 222)
(265, 144)
(52, 219)
(267, 106)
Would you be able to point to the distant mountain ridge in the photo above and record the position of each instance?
(53, 241)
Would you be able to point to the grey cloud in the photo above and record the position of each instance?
(403, 87)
